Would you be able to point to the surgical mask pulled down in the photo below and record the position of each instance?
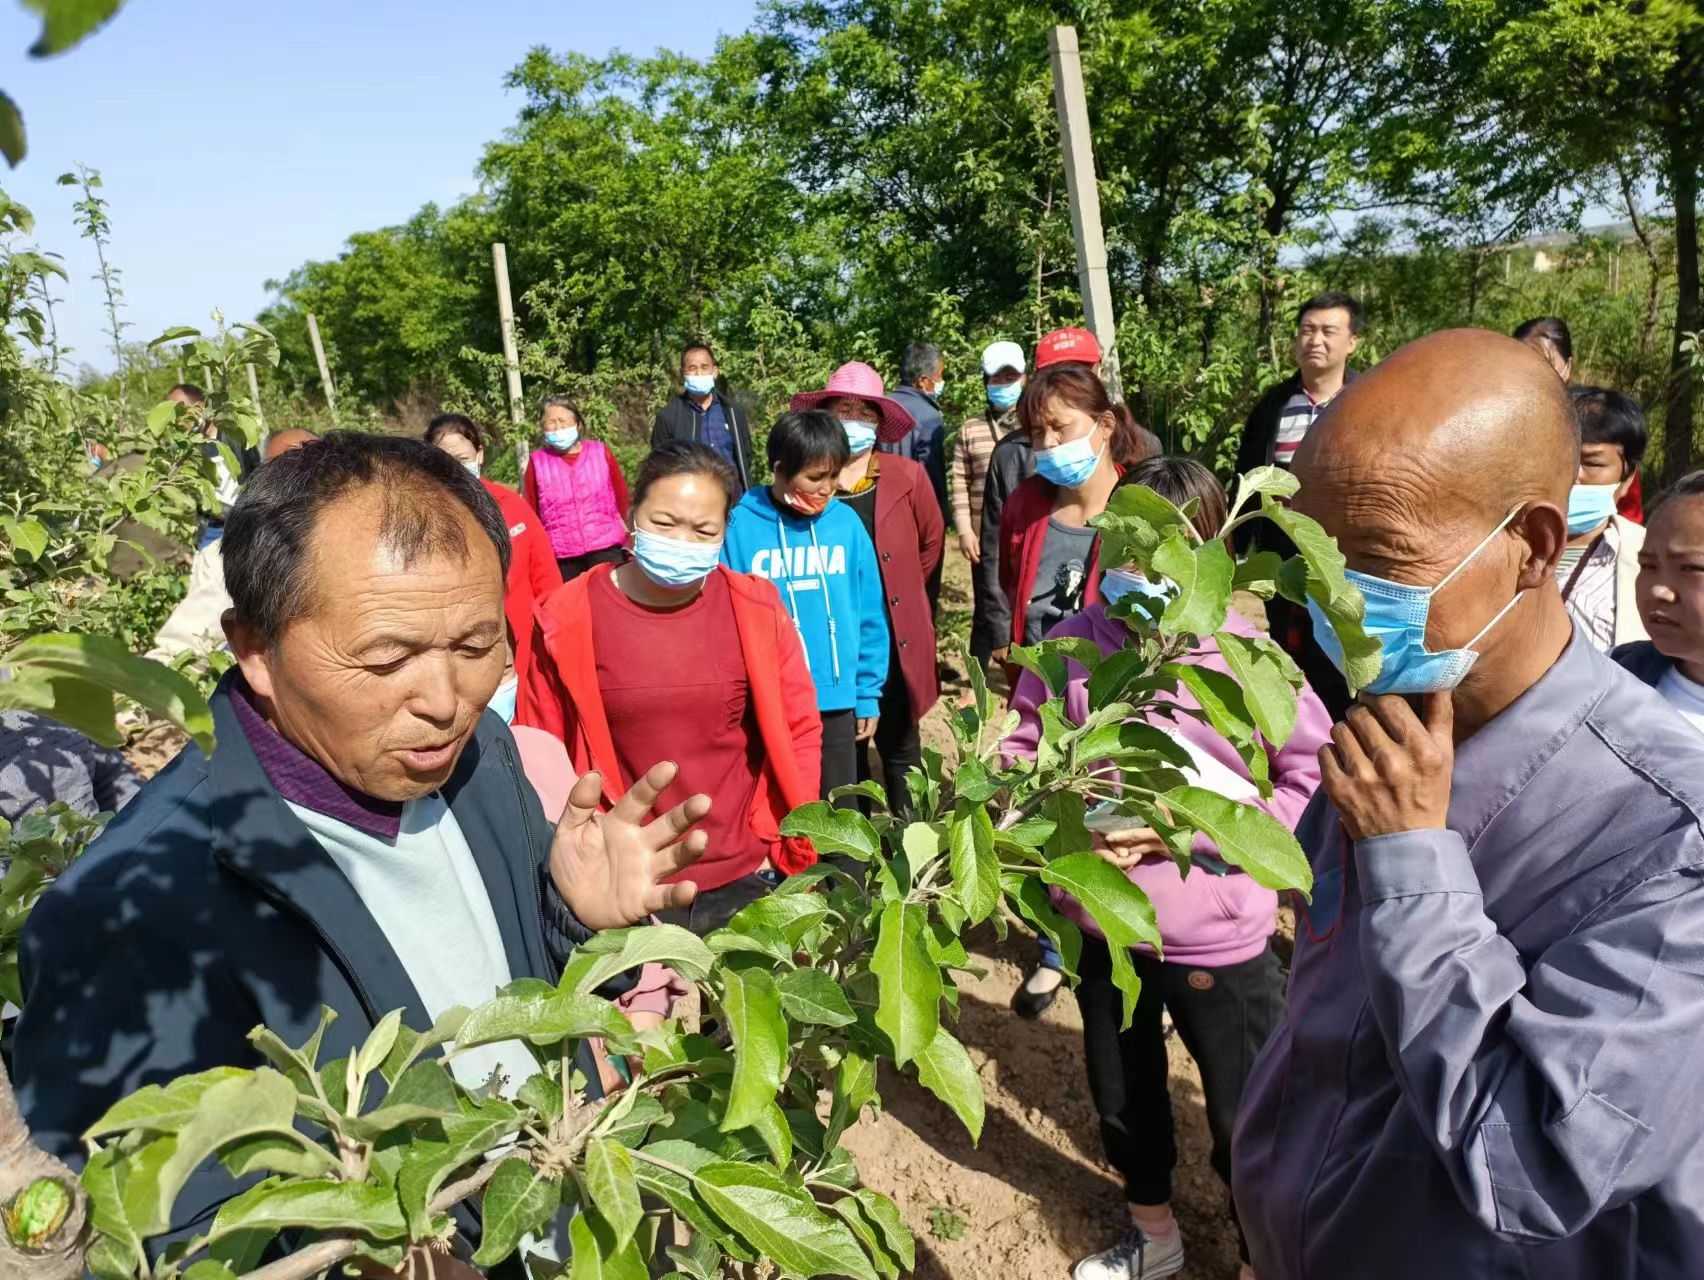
(1120, 584)
(674, 562)
(1396, 618)
(503, 701)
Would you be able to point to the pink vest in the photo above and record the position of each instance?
(576, 501)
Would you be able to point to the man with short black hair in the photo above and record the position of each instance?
(362, 837)
(922, 374)
(704, 412)
(1599, 568)
(1328, 329)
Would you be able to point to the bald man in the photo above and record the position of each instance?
(194, 624)
(1492, 1062)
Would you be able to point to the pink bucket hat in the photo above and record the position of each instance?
(857, 380)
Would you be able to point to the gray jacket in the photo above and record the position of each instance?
(1489, 1064)
(42, 761)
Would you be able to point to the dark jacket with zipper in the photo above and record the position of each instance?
(678, 420)
(206, 909)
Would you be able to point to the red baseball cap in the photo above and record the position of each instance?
(1067, 346)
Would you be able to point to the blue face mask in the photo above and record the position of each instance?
(672, 562)
(562, 439)
(1116, 584)
(1068, 465)
(700, 384)
(1396, 618)
(503, 701)
(472, 469)
(1589, 505)
(1004, 397)
(860, 436)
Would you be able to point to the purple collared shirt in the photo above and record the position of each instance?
(302, 780)
(1489, 1065)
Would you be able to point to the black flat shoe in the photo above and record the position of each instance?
(1030, 1004)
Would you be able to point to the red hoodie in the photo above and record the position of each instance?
(560, 694)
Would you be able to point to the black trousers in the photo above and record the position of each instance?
(897, 744)
(839, 749)
(714, 908)
(1224, 1016)
(573, 566)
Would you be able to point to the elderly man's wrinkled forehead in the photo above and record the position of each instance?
(1442, 439)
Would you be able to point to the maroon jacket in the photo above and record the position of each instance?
(910, 538)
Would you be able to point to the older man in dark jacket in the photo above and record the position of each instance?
(362, 837)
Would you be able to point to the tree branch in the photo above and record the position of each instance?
(22, 1163)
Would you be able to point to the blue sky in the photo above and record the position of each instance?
(238, 140)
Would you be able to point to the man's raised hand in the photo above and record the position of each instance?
(607, 866)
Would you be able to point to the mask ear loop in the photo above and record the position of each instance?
(1468, 559)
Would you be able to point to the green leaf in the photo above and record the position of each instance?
(971, 783)
(1065, 810)
(885, 1215)
(597, 1256)
(610, 1185)
(752, 1006)
(1030, 898)
(792, 915)
(614, 951)
(1329, 588)
(782, 1222)
(66, 23)
(429, 1164)
(544, 1017)
(1266, 688)
(757, 938)
(1221, 699)
(318, 1204)
(1247, 837)
(1203, 576)
(163, 415)
(1044, 661)
(868, 789)
(810, 995)
(175, 334)
(854, 1086)
(542, 1094)
(849, 1212)
(947, 1072)
(975, 865)
(275, 1153)
(908, 982)
(771, 1126)
(378, 1043)
(518, 1199)
(258, 1102)
(411, 1044)
(1259, 574)
(1148, 505)
(1280, 482)
(1122, 910)
(27, 536)
(12, 140)
(678, 1193)
(209, 1269)
(46, 667)
(161, 1108)
(107, 1214)
(833, 830)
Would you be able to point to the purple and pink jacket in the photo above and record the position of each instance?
(1206, 921)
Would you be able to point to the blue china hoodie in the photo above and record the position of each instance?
(825, 568)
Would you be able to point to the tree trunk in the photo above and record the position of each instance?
(1689, 306)
(22, 1163)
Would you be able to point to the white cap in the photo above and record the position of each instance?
(1002, 355)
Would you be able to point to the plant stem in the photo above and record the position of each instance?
(661, 1163)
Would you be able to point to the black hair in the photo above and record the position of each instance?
(921, 359)
(685, 458)
(690, 347)
(1332, 300)
(562, 402)
(1551, 329)
(1690, 485)
(799, 439)
(1179, 480)
(1609, 417)
(268, 542)
(455, 424)
(190, 392)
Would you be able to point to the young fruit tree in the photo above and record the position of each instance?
(732, 1130)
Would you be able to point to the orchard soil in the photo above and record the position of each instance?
(1034, 1195)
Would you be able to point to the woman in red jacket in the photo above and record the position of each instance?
(532, 566)
(894, 499)
(671, 656)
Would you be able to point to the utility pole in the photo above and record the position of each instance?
(324, 369)
(254, 399)
(511, 357)
(1075, 145)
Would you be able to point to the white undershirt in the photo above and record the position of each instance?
(425, 891)
(1685, 696)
